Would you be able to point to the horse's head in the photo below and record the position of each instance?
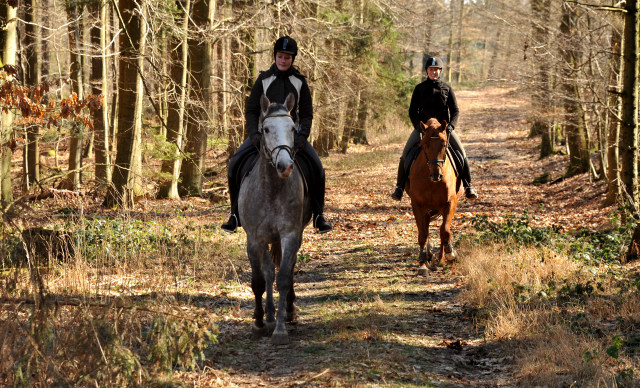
(434, 144)
(278, 130)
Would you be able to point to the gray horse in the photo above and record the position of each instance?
(274, 211)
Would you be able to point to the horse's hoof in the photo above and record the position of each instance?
(280, 339)
(422, 271)
(258, 332)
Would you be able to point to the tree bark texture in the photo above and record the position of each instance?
(629, 125)
(126, 172)
(6, 118)
(200, 54)
(574, 125)
(613, 124)
(179, 49)
(100, 85)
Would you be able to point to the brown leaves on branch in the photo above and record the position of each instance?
(30, 101)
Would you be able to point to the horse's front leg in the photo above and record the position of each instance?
(269, 270)
(423, 236)
(284, 281)
(446, 246)
(258, 285)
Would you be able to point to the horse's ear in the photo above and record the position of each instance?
(264, 104)
(444, 124)
(423, 126)
(289, 103)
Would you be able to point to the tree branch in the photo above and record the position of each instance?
(599, 7)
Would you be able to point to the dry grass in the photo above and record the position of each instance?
(557, 359)
(124, 307)
(528, 296)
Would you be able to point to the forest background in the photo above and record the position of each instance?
(109, 103)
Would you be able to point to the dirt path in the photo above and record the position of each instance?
(365, 318)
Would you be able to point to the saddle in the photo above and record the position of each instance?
(454, 155)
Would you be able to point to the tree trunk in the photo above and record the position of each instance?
(31, 79)
(541, 91)
(450, 48)
(629, 128)
(126, 173)
(458, 72)
(574, 125)
(201, 56)
(100, 85)
(6, 118)
(613, 124)
(73, 180)
(176, 106)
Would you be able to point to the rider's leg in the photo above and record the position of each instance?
(465, 174)
(401, 180)
(316, 183)
(233, 172)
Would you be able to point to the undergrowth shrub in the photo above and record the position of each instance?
(563, 297)
(588, 246)
(100, 345)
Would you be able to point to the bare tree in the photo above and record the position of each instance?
(6, 117)
(179, 49)
(127, 168)
(200, 57)
(100, 85)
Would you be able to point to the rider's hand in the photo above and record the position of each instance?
(255, 139)
(299, 141)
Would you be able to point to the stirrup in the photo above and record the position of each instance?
(324, 225)
(470, 193)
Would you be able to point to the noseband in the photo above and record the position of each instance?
(267, 151)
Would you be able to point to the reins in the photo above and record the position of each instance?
(268, 152)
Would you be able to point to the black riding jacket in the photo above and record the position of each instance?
(433, 99)
(278, 91)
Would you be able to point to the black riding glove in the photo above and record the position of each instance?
(255, 139)
(299, 141)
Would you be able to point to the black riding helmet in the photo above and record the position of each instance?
(287, 45)
(434, 62)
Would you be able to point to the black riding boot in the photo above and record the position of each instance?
(234, 220)
(317, 205)
(465, 175)
(401, 180)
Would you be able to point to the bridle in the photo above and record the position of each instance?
(437, 162)
(277, 149)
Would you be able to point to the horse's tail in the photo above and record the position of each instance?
(276, 253)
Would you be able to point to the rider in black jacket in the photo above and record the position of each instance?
(433, 98)
(277, 82)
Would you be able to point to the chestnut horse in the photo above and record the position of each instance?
(434, 190)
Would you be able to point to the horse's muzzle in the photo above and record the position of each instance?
(437, 177)
(284, 169)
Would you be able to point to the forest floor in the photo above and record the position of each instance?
(364, 316)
